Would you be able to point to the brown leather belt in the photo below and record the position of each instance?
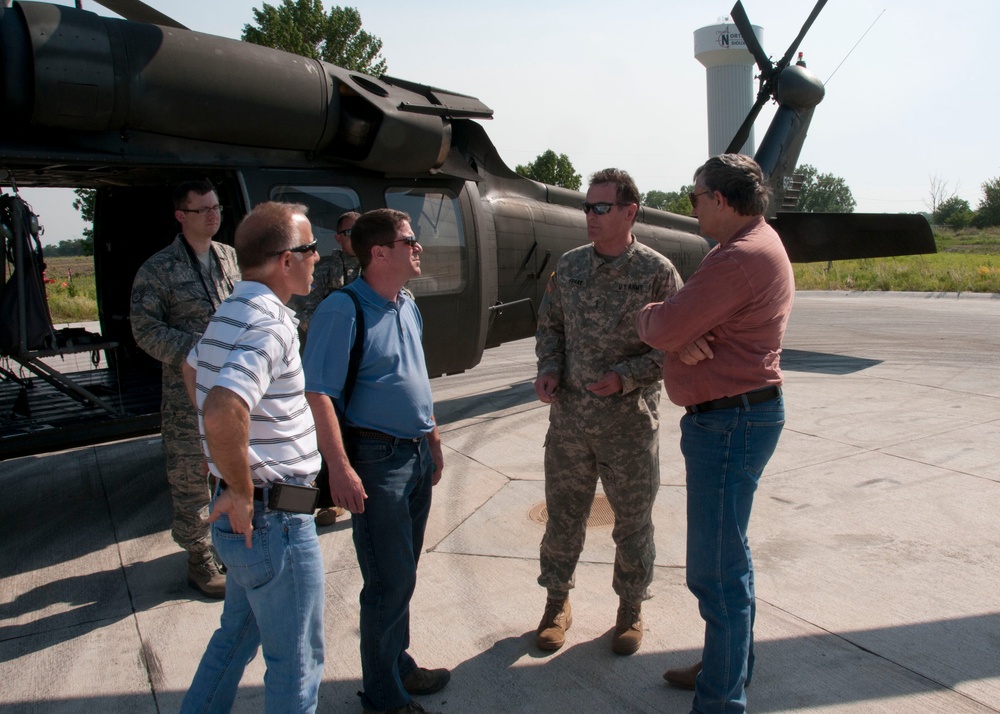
(740, 400)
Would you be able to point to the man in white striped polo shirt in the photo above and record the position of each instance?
(246, 378)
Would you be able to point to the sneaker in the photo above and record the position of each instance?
(426, 681)
(329, 516)
(628, 629)
(411, 707)
(558, 617)
(204, 576)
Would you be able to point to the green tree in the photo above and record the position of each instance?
(304, 28)
(556, 170)
(823, 193)
(69, 248)
(84, 203)
(988, 211)
(953, 212)
(673, 201)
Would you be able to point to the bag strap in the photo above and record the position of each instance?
(357, 349)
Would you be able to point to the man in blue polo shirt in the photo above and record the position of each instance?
(385, 462)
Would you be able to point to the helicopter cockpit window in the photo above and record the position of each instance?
(436, 219)
(326, 204)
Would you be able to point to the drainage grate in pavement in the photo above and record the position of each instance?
(600, 513)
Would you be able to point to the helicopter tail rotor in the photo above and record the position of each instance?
(770, 73)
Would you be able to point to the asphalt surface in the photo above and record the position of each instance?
(875, 538)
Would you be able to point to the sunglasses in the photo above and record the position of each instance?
(305, 248)
(410, 241)
(345, 233)
(693, 197)
(602, 208)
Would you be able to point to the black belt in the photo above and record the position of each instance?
(379, 435)
(740, 400)
(258, 492)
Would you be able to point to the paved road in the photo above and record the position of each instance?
(874, 533)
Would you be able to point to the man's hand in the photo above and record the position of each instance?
(240, 512)
(610, 383)
(546, 385)
(697, 351)
(438, 455)
(346, 488)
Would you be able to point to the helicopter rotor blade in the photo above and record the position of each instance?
(138, 11)
(802, 33)
(739, 16)
(744, 131)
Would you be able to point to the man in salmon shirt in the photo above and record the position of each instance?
(721, 337)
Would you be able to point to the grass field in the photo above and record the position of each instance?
(967, 261)
(71, 289)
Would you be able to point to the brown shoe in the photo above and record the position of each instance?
(628, 629)
(204, 576)
(683, 678)
(329, 516)
(426, 681)
(551, 633)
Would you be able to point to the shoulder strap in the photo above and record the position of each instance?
(357, 349)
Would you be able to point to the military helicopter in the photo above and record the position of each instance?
(131, 107)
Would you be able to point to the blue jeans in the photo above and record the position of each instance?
(725, 452)
(274, 600)
(388, 538)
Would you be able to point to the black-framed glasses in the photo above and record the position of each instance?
(346, 232)
(203, 211)
(304, 248)
(409, 240)
(601, 208)
(693, 197)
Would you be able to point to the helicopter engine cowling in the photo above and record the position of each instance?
(70, 69)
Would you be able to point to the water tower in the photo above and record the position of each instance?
(729, 71)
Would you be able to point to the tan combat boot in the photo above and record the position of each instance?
(204, 576)
(329, 516)
(628, 629)
(551, 633)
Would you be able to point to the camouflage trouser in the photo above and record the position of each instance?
(188, 484)
(629, 470)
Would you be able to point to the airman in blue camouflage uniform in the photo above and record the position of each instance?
(174, 295)
(332, 273)
(603, 384)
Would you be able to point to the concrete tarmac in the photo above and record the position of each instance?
(875, 537)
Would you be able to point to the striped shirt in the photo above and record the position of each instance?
(251, 348)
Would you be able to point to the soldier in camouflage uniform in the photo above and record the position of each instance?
(174, 295)
(603, 384)
(332, 273)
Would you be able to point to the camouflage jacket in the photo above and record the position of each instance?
(586, 322)
(173, 299)
(331, 273)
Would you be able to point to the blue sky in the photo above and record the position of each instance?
(616, 84)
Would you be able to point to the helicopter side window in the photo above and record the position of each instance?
(326, 204)
(436, 219)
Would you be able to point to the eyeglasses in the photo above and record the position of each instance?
(410, 241)
(693, 197)
(304, 248)
(602, 208)
(203, 211)
(345, 233)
